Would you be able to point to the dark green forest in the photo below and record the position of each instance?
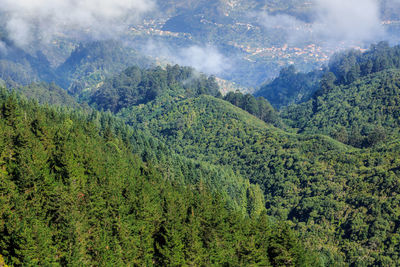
(73, 193)
(367, 85)
(154, 166)
(290, 87)
(259, 107)
(136, 86)
(303, 177)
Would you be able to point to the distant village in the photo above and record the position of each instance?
(316, 53)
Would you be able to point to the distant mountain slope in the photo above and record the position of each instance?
(21, 67)
(258, 107)
(362, 113)
(216, 10)
(91, 63)
(136, 86)
(87, 66)
(48, 94)
(290, 87)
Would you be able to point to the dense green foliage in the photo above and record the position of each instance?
(47, 93)
(351, 65)
(241, 195)
(323, 187)
(360, 114)
(138, 86)
(258, 107)
(290, 87)
(73, 194)
(174, 174)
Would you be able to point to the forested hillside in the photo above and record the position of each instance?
(141, 166)
(88, 65)
(21, 67)
(367, 113)
(136, 86)
(357, 99)
(290, 87)
(74, 194)
(259, 107)
(322, 186)
(48, 93)
(344, 68)
(91, 63)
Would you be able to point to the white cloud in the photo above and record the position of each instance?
(206, 59)
(283, 21)
(335, 21)
(3, 48)
(348, 20)
(33, 20)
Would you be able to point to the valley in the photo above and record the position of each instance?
(198, 133)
